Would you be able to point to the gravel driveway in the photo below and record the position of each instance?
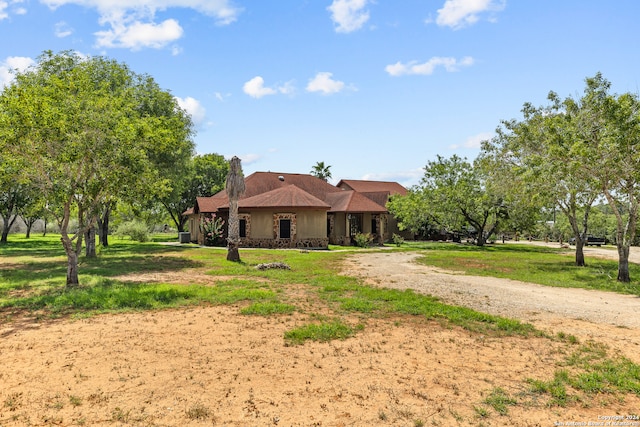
(586, 313)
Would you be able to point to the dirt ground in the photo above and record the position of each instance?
(212, 366)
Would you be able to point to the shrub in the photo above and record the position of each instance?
(211, 227)
(135, 230)
(397, 239)
(363, 240)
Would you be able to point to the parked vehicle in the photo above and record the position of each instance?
(591, 241)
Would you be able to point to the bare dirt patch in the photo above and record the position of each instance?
(213, 366)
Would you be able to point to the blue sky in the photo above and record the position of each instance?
(374, 88)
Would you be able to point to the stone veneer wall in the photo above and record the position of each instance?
(285, 243)
(276, 242)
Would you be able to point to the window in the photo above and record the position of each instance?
(285, 229)
(243, 228)
(355, 224)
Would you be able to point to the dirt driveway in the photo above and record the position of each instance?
(602, 316)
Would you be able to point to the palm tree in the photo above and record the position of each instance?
(234, 187)
(321, 171)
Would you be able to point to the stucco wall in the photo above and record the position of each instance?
(311, 224)
(261, 225)
(340, 226)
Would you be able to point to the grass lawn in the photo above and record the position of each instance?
(528, 263)
(34, 272)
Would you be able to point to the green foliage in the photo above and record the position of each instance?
(321, 171)
(363, 240)
(563, 154)
(454, 195)
(203, 176)
(135, 230)
(90, 131)
(413, 212)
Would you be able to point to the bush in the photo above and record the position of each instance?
(135, 230)
(397, 239)
(211, 227)
(363, 240)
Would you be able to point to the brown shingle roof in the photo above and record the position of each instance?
(289, 196)
(208, 204)
(362, 186)
(351, 201)
(272, 189)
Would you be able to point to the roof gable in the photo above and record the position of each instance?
(208, 204)
(289, 196)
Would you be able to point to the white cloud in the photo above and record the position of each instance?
(256, 88)
(138, 35)
(132, 23)
(461, 13)
(5, 5)
(3, 10)
(194, 108)
(322, 82)
(473, 142)
(19, 63)
(348, 15)
(62, 29)
(427, 68)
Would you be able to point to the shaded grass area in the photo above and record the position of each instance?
(529, 263)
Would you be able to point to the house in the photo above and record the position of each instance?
(283, 210)
(380, 192)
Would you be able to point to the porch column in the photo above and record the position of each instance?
(347, 229)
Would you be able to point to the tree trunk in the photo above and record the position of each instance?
(7, 224)
(44, 230)
(72, 262)
(234, 187)
(28, 234)
(580, 262)
(5, 233)
(103, 226)
(232, 252)
(90, 243)
(181, 224)
(623, 263)
(233, 234)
